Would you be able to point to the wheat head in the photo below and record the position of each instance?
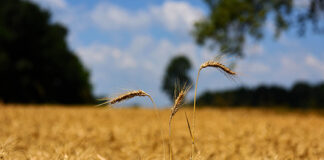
(178, 101)
(125, 96)
(216, 65)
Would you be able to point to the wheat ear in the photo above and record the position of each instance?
(125, 96)
(175, 108)
(214, 64)
(132, 94)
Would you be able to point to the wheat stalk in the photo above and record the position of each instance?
(213, 64)
(132, 94)
(175, 108)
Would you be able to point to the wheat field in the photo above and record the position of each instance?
(86, 132)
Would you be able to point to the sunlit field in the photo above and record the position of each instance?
(57, 132)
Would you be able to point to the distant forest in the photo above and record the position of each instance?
(300, 95)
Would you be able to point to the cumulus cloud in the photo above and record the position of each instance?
(140, 44)
(100, 54)
(112, 17)
(303, 66)
(142, 52)
(174, 16)
(281, 68)
(165, 50)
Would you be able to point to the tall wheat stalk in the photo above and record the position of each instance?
(178, 101)
(213, 64)
(138, 93)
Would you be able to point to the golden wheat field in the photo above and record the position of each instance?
(63, 133)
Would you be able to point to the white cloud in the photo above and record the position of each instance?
(148, 65)
(304, 66)
(174, 16)
(281, 68)
(140, 44)
(164, 48)
(95, 54)
(143, 52)
(128, 62)
(60, 4)
(111, 17)
(99, 54)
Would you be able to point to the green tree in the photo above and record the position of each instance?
(230, 21)
(36, 65)
(176, 75)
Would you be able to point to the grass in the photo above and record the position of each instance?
(81, 133)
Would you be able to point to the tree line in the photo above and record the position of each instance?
(300, 95)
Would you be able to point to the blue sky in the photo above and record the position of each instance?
(127, 45)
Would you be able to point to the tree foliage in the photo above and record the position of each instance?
(301, 95)
(230, 21)
(176, 75)
(36, 65)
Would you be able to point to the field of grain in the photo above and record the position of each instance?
(56, 132)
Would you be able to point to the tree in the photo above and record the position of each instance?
(176, 75)
(230, 21)
(36, 65)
